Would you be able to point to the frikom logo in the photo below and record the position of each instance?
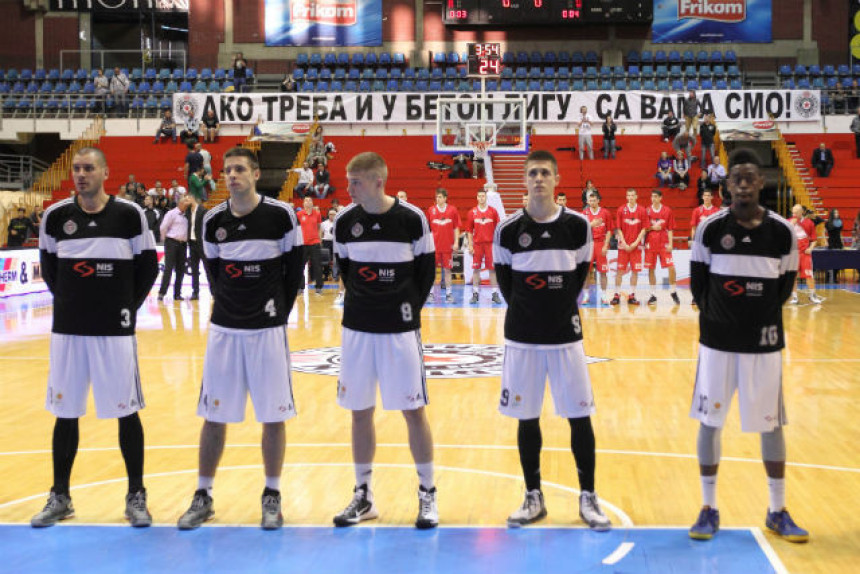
(331, 12)
(717, 10)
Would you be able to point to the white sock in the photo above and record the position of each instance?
(205, 483)
(709, 490)
(425, 474)
(273, 482)
(363, 472)
(776, 492)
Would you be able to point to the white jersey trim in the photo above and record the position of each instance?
(756, 266)
(548, 259)
(379, 251)
(95, 248)
(252, 249)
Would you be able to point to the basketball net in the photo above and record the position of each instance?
(479, 149)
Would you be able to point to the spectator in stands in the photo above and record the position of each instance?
(175, 192)
(834, 228)
(193, 161)
(585, 140)
(839, 100)
(609, 128)
(207, 157)
(119, 85)
(401, 195)
(671, 126)
(240, 72)
(691, 113)
(19, 228)
(210, 126)
(335, 204)
(128, 189)
(855, 127)
(459, 167)
(191, 132)
(36, 219)
(322, 187)
(561, 199)
(822, 160)
(589, 187)
(852, 100)
(708, 134)
(167, 127)
(102, 85)
(153, 217)
(140, 194)
(716, 174)
(156, 191)
(306, 179)
(703, 184)
(664, 170)
(316, 153)
(288, 84)
(855, 234)
(685, 142)
(681, 168)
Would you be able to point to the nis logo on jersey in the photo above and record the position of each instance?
(748, 288)
(381, 275)
(87, 269)
(249, 271)
(551, 282)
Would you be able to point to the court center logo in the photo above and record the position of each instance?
(441, 361)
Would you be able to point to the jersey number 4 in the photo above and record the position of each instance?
(270, 308)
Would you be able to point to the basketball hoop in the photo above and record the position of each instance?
(479, 148)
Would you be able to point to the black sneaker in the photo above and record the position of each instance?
(272, 516)
(496, 299)
(616, 299)
(675, 298)
(632, 300)
(135, 509)
(359, 509)
(652, 300)
(201, 510)
(194, 297)
(474, 299)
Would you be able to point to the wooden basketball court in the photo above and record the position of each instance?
(646, 468)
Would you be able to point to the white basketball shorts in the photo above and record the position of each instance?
(524, 373)
(240, 362)
(109, 363)
(758, 380)
(396, 360)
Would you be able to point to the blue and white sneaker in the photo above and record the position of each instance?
(781, 523)
(706, 525)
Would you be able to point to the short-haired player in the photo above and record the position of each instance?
(481, 224)
(804, 229)
(631, 225)
(658, 245)
(445, 222)
(543, 254)
(601, 223)
(384, 249)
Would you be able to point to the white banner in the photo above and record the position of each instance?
(555, 107)
(20, 272)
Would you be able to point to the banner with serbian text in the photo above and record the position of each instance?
(323, 22)
(704, 21)
(541, 107)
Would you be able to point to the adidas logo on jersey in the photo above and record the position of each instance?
(546, 235)
(242, 227)
(376, 227)
(746, 239)
(92, 224)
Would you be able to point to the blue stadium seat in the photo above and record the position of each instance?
(201, 87)
(450, 73)
(660, 57)
(562, 73)
(605, 85)
(829, 71)
(40, 75)
(690, 72)
(707, 85)
(818, 83)
(435, 86)
(157, 88)
(522, 58)
(330, 60)
(605, 72)
(398, 59)
(409, 73)
(620, 84)
(692, 84)
(832, 83)
(663, 85)
(340, 74)
(577, 73)
(12, 74)
(342, 60)
(564, 57)
(315, 60)
(591, 58)
(137, 105)
(406, 86)
(354, 74)
(322, 86)
(306, 86)
(578, 85)
(165, 103)
(492, 85)
(647, 72)
(577, 58)
(619, 73)
(814, 71)
(171, 88)
(591, 85)
(385, 59)
(536, 58)
(422, 85)
(213, 88)
(370, 60)
(185, 86)
(634, 85)
(302, 60)
(392, 86)
(736, 84)
(467, 86)
(32, 87)
(550, 58)
(702, 57)
(733, 72)
(325, 74)
(350, 86)
(520, 85)
(719, 72)
(337, 86)
(67, 75)
(729, 57)
(190, 75)
(508, 59)
(535, 73)
(675, 72)
(591, 73)
(9, 104)
(548, 86)
(423, 74)
(521, 73)
(150, 74)
(674, 57)
(662, 72)
(633, 58)
(357, 60)
(449, 86)
(688, 57)
(705, 72)
(722, 85)
(533, 85)
(562, 86)
(436, 74)
(219, 74)
(844, 71)
(717, 57)
(646, 57)
(26, 75)
(506, 85)
(549, 72)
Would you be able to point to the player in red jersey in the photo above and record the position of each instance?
(804, 229)
(631, 225)
(703, 211)
(445, 222)
(658, 245)
(481, 223)
(600, 221)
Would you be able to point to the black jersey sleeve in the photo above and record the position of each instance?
(700, 266)
(144, 261)
(425, 263)
(502, 264)
(788, 268)
(293, 264)
(48, 253)
(584, 253)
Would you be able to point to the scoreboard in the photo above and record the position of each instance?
(504, 13)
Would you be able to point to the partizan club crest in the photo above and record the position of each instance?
(186, 107)
(442, 361)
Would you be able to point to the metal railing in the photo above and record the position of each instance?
(61, 168)
(20, 171)
(143, 59)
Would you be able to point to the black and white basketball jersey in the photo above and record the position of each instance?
(740, 279)
(388, 266)
(541, 268)
(255, 264)
(99, 266)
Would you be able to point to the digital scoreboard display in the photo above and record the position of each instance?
(504, 13)
(484, 59)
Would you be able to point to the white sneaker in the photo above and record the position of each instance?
(814, 298)
(604, 300)
(428, 513)
(532, 510)
(339, 299)
(589, 511)
(793, 300)
(585, 298)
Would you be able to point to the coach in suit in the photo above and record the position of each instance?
(194, 214)
(822, 160)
